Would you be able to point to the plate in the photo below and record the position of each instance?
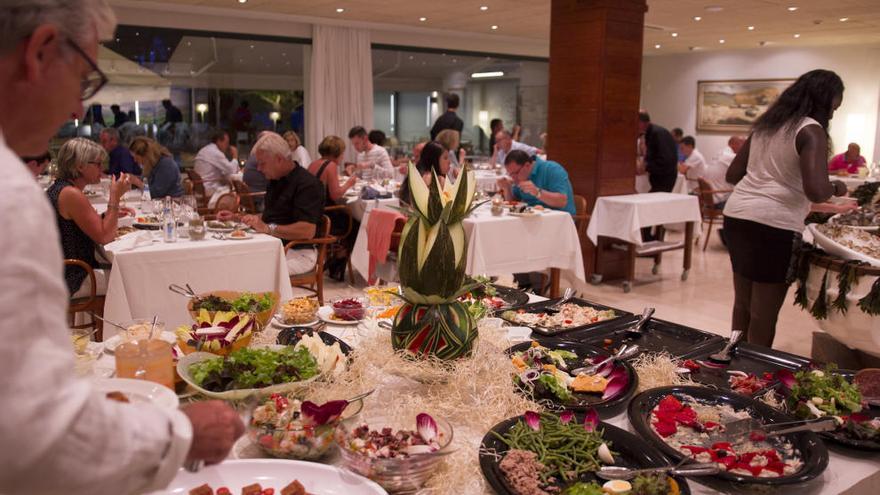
(278, 322)
(812, 451)
(318, 479)
(113, 342)
(183, 370)
(325, 314)
(292, 335)
(631, 452)
(140, 391)
(247, 235)
(582, 400)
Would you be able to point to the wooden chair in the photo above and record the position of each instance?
(198, 188)
(226, 202)
(707, 206)
(92, 303)
(313, 281)
(337, 246)
(581, 217)
(248, 200)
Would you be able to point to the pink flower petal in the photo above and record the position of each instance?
(323, 414)
(533, 420)
(787, 378)
(426, 427)
(566, 417)
(616, 386)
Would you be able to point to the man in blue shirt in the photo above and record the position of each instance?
(121, 160)
(537, 182)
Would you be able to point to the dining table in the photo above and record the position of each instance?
(849, 472)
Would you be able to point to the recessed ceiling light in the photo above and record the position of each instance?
(657, 45)
(410, 57)
(692, 48)
(762, 43)
(480, 75)
(188, 43)
(252, 47)
(792, 9)
(842, 19)
(721, 41)
(423, 19)
(339, 11)
(494, 27)
(675, 35)
(283, 54)
(484, 8)
(242, 1)
(697, 18)
(751, 28)
(714, 8)
(455, 61)
(796, 35)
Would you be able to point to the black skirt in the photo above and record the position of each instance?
(761, 253)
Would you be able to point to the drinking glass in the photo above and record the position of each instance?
(144, 359)
(197, 228)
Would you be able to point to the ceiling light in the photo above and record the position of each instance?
(697, 18)
(796, 35)
(693, 48)
(455, 61)
(484, 8)
(339, 11)
(842, 19)
(423, 19)
(252, 47)
(751, 28)
(675, 35)
(762, 43)
(242, 1)
(494, 27)
(714, 8)
(721, 41)
(481, 75)
(657, 45)
(792, 9)
(410, 57)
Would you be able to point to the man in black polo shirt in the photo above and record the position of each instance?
(294, 200)
(450, 119)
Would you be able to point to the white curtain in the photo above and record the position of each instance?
(340, 85)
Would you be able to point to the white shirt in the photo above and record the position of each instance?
(57, 434)
(696, 167)
(515, 145)
(772, 192)
(301, 155)
(213, 166)
(377, 157)
(716, 174)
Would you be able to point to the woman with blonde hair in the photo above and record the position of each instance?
(160, 169)
(81, 228)
(450, 140)
(300, 153)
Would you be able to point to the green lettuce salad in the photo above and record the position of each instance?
(254, 368)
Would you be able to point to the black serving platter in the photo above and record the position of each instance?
(748, 358)
(539, 307)
(657, 336)
(292, 335)
(811, 450)
(629, 450)
(582, 400)
(512, 297)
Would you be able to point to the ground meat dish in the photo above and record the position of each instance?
(523, 472)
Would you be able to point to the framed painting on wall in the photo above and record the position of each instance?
(733, 106)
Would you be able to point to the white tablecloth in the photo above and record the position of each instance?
(359, 206)
(487, 180)
(622, 217)
(139, 280)
(643, 184)
(852, 181)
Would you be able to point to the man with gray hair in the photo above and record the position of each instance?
(121, 161)
(294, 201)
(59, 434)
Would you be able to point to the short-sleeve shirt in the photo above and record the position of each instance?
(549, 176)
(296, 197)
(515, 145)
(839, 162)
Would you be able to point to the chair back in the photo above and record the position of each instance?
(705, 195)
(581, 217)
(198, 187)
(246, 199)
(87, 304)
(396, 233)
(227, 202)
(314, 280)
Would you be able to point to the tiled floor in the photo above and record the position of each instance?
(704, 301)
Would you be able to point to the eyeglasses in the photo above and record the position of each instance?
(92, 82)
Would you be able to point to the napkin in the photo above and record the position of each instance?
(379, 228)
(131, 241)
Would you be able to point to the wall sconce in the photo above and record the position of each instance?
(202, 108)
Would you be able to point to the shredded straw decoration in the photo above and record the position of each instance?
(659, 369)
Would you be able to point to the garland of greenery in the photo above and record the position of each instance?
(846, 279)
(820, 306)
(802, 271)
(870, 304)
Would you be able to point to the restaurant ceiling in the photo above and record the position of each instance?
(813, 22)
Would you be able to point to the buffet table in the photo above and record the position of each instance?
(139, 279)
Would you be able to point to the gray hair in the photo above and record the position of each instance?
(272, 143)
(112, 132)
(78, 151)
(82, 21)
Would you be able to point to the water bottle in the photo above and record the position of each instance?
(145, 196)
(169, 223)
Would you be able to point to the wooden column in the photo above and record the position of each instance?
(593, 102)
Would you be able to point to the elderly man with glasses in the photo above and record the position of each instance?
(537, 182)
(59, 434)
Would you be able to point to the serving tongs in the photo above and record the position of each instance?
(555, 307)
(625, 473)
(624, 352)
(636, 328)
(185, 291)
(723, 357)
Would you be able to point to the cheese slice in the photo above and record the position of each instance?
(589, 383)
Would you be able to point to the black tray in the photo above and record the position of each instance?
(292, 335)
(513, 297)
(537, 307)
(748, 358)
(812, 451)
(631, 452)
(658, 336)
(583, 401)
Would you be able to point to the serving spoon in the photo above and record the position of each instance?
(625, 352)
(625, 473)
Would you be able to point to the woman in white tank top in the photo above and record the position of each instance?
(779, 172)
